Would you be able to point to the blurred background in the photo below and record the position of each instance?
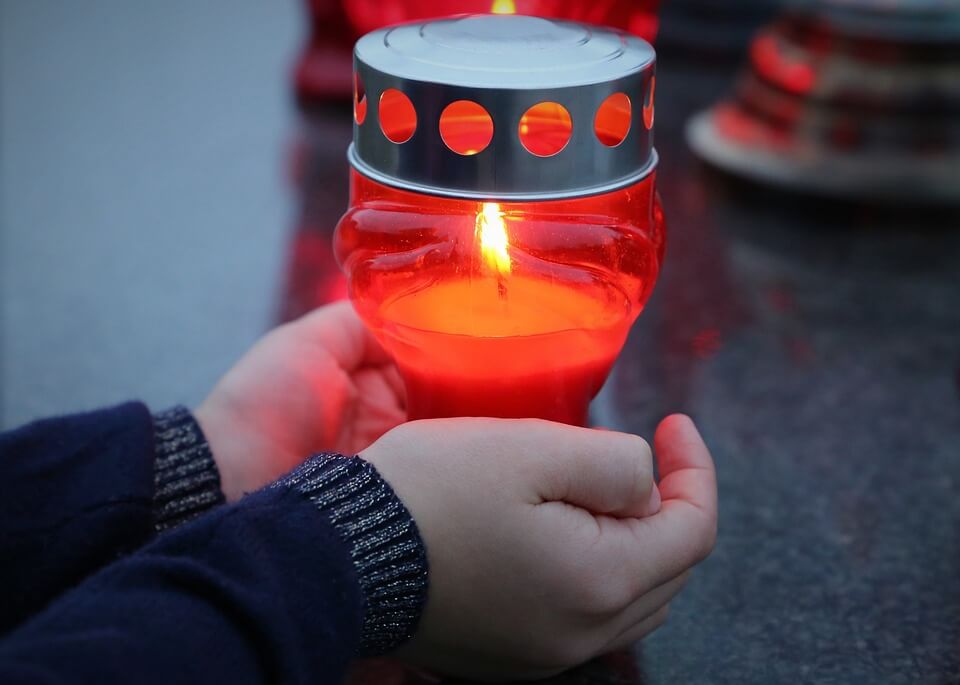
(171, 174)
(145, 209)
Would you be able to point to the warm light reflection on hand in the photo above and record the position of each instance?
(320, 383)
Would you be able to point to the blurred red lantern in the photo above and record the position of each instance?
(851, 99)
(324, 69)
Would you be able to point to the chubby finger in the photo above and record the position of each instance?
(638, 631)
(684, 531)
(337, 328)
(604, 472)
(654, 501)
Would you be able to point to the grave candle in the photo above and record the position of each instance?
(502, 258)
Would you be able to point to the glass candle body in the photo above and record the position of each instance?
(501, 309)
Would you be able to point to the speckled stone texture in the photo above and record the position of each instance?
(817, 345)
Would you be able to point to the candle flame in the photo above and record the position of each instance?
(503, 7)
(492, 232)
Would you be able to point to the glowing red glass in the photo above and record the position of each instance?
(636, 16)
(501, 309)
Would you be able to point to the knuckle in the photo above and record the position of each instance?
(638, 451)
(643, 449)
(630, 466)
(642, 479)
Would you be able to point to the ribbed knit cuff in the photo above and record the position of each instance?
(185, 476)
(385, 545)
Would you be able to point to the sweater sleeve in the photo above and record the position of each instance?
(81, 491)
(284, 586)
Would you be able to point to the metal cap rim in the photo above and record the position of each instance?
(618, 184)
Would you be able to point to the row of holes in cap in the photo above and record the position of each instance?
(467, 128)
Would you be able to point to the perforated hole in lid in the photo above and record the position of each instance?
(359, 99)
(398, 118)
(466, 127)
(649, 105)
(545, 129)
(612, 122)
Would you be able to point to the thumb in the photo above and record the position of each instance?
(604, 472)
(338, 329)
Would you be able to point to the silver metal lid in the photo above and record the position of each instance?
(506, 65)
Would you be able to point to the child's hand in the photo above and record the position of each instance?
(547, 544)
(320, 383)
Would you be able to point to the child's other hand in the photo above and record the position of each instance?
(321, 383)
(547, 544)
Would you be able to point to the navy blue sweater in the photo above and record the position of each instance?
(282, 587)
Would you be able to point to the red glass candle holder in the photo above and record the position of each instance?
(504, 230)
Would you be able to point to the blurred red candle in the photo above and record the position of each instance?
(323, 69)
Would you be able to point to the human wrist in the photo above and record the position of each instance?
(385, 546)
(186, 478)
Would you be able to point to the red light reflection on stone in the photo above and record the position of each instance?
(707, 343)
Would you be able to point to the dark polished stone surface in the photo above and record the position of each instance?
(816, 343)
